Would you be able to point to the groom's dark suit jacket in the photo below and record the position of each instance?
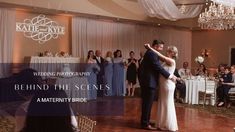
(150, 69)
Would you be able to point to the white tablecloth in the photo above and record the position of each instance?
(193, 86)
(53, 64)
(72, 91)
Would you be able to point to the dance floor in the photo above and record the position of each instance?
(189, 120)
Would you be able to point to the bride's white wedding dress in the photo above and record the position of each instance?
(166, 115)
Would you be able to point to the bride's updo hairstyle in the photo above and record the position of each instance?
(173, 50)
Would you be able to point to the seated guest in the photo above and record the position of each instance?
(223, 89)
(201, 71)
(185, 71)
(220, 70)
(180, 88)
(232, 84)
(49, 116)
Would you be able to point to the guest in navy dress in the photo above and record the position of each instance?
(118, 88)
(131, 74)
(109, 72)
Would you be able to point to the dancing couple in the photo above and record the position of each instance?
(156, 75)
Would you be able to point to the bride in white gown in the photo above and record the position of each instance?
(166, 114)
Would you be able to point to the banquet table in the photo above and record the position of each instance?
(193, 86)
(53, 64)
(71, 82)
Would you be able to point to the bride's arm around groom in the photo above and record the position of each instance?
(169, 61)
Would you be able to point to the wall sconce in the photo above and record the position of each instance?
(205, 53)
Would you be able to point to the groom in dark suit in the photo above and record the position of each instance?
(150, 69)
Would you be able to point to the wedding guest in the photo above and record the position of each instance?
(139, 65)
(93, 69)
(49, 116)
(26, 76)
(201, 71)
(131, 74)
(109, 72)
(185, 71)
(100, 76)
(232, 85)
(90, 57)
(141, 57)
(220, 71)
(223, 89)
(118, 74)
(180, 88)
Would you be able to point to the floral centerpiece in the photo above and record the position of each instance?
(62, 54)
(199, 59)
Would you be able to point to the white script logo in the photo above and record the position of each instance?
(40, 29)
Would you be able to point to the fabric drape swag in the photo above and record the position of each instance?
(167, 9)
(230, 3)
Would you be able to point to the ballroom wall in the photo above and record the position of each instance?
(108, 36)
(24, 47)
(216, 41)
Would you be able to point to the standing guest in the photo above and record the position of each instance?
(232, 70)
(139, 67)
(109, 72)
(201, 71)
(223, 89)
(100, 76)
(141, 57)
(131, 74)
(118, 74)
(185, 71)
(90, 57)
(93, 69)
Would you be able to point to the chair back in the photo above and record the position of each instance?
(6, 125)
(85, 124)
(232, 94)
(209, 92)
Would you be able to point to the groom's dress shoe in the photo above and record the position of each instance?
(149, 127)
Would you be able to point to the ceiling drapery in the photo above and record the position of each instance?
(167, 9)
(230, 3)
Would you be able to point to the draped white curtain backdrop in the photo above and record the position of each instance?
(167, 9)
(90, 34)
(7, 30)
(225, 2)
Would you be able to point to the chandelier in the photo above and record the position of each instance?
(217, 17)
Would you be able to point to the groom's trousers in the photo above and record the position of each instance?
(148, 97)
